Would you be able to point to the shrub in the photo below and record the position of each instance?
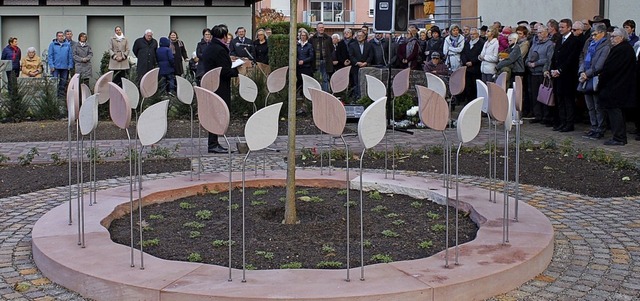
(45, 100)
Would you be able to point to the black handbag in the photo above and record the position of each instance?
(589, 86)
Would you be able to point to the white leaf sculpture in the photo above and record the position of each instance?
(149, 83)
(73, 99)
(470, 120)
(483, 91)
(185, 90)
(132, 92)
(119, 108)
(212, 111)
(248, 88)
(211, 80)
(340, 80)
(508, 122)
(86, 92)
(372, 125)
(152, 124)
(307, 83)
(89, 115)
(501, 81)
(401, 82)
(277, 79)
(375, 88)
(518, 90)
(261, 129)
(435, 83)
(102, 87)
(329, 114)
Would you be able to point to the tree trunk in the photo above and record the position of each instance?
(290, 213)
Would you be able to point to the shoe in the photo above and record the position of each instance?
(596, 136)
(557, 127)
(217, 150)
(566, 129)
(535, 121)
(548, 124)
(614, 142)
(638, 138)
(588, 134)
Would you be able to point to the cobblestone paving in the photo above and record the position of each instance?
(596, 256)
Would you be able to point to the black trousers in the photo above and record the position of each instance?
(617, 123)
(566, 109)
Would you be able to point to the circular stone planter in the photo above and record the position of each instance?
(102, 270)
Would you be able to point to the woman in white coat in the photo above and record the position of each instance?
(489, 56)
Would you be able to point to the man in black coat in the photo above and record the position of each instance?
(564, 70)
(240, 45)
(323, 47)
(469, 57)
(217, 55)
(144, 48)
(380, 47)
(340, 53)
(360, 55)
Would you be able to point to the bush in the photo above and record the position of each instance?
(47, 105)
(15, 104)
(283, 27)
(402, 104)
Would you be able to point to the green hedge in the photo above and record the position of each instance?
(283, 27)
(279, 42)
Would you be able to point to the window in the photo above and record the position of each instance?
(372, 7)
(327, 11)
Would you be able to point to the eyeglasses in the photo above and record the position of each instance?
(614, 36)
(594, 34)
(575, 29)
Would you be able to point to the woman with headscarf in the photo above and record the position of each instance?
(617, 84)
(31, 65)
(594, 53)
(119, 56)
(453, 45)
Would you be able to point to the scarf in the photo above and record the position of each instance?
(16, 51)
(591, 51)
(454, 41)
(223, 42)
(119, 37)
(473, 42)
(82, 44)
(410, 45)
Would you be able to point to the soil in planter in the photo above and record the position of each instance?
(396, 227)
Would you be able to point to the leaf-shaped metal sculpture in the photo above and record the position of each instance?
(149, 83)
(152, 124)
(434, 111)
(469, 120)
(119, 107)
(261, 129)
(340, 80)
(86, 92)
(372, 125)
(375, 88)
(508, 122)
(211, 80)
(132, 92)
(212, 111)
(88, 119)
(329, 114)
(277, 79)
(185, 90)
(517, 88)
(501, 81)
(401, 82)
(457, 81)
(73, 99)
(102, 87)
(248, 89)
(435, 83)
(498, 104)
(483, 91)
(307, 83)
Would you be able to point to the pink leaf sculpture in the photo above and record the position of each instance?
(212, 111)
(434, 110)
(518, 93)
(340, 80)
(185, 90)
(457, 81)
(132, 92)
(119, 107)
(329, 114)
(501, 80)
(73, 98)
(149, 83)
(401, 82)
(277, 79)
(211, 80)
(499, 103)
(102, 87)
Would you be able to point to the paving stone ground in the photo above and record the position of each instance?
(597, 240)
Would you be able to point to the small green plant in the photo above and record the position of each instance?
(194, 234)
(258, 203)
(548, 143)
(302, 192)
(566, 146)
(392, 215)
(398, 222)
(329, 265)
(436, 150)
(389, 233)
(250, 267)
(367, 244)
(350, 204)
(186, 205)
(159, 152)
(131, 154)
(265, 254)
(26, 159)
(235, 206)
(375, 195)
(204, 214)
(342, 192)
(384, 258)
(93, 153)
(416, 204)
(426, 244)
(151, 242)
(195, 225)
(433, 215)
(57, 159)
(328, 249)
(221, 243)
(156, 217)
(224, 198)
(378, 208)
(145, 226)
(260, 192)
(438, 227)
(291, 265)
(194, 257)
(4, 159)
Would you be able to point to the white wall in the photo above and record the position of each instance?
(511, 11)
(619, 11)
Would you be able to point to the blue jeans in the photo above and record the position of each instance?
(325, 76)
(62, 75)
(169, 82)
(596, 114)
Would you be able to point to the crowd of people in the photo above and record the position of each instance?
(593, 66)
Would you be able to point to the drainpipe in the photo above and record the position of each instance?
(601, 8)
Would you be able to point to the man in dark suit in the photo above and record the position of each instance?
(564, 67)
(217, 55)
(360, 55)
(240, 45)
